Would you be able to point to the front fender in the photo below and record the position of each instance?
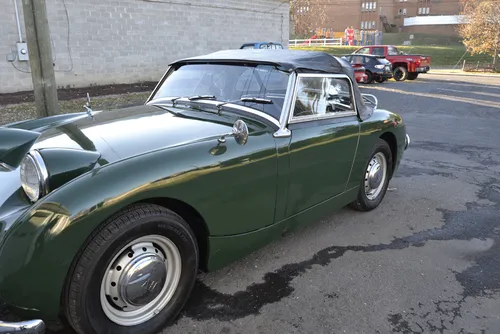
(39, 248)
(380, 123)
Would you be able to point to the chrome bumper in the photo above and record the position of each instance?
(30, 326)
(407, 141)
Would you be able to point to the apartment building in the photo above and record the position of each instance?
(412, 16)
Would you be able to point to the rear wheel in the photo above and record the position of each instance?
(369, 77)
(376, 177)
(400, 73)
(135, 273)
(412, 76)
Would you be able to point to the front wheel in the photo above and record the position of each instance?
(135, 273)
(375, 178)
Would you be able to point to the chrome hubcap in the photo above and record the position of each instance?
(375, 176)
(141, 280)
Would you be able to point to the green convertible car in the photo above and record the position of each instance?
(106, 217)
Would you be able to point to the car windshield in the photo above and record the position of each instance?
(229, 83)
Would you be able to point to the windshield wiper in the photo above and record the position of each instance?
(201, 97)
(256, 100)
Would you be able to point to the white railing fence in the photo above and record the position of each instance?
(316, 42)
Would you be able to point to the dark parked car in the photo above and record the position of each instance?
(376, 67)
(262, 45)
(106, 217)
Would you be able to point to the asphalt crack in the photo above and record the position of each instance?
(480, 154)
(408, 171)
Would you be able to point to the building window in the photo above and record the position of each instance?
(303, 10)
(374, 5)
(373, 24)
(404, 11)
(363, 7)
(423, 10)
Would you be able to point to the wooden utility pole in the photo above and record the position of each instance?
(40, 56)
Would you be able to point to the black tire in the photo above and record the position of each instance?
(369, 77)
(412, 76)
(362, 203)
(81, 299)
(400, 73)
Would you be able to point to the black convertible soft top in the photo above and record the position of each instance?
(287, 60)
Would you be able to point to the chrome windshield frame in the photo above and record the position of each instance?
(286, 111)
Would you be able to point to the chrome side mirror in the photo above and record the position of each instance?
(239, 132)
(371, 99)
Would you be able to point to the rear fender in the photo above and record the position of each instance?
(381, 122)
(398, 64)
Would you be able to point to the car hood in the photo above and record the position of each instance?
(115, 134)
(119, 134)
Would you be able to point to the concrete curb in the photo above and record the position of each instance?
(444, 72)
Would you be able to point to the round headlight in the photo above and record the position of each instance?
(34, 176)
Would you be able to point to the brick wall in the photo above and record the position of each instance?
(342, 13)
(126, 41)
(435, 7)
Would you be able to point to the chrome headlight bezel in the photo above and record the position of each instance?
(38, 167)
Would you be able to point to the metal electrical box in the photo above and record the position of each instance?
(22, 52)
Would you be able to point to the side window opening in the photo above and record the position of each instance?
(392, 51)
(364, 51)
(378, 51)
(323, 96)
(357, 60)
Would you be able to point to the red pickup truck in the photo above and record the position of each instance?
(403, 66)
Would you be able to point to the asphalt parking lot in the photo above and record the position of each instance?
(426, 261)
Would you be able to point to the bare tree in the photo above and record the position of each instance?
(481, 30)
(307, 15)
